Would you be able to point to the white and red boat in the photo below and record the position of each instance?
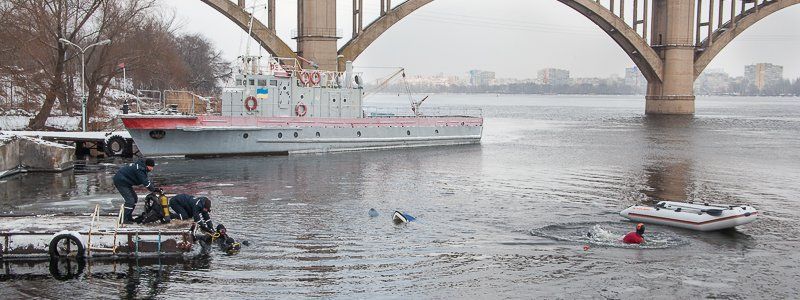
(285, 109)
(695, 216)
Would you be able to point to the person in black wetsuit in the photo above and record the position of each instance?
(129, 176)
(187, 206)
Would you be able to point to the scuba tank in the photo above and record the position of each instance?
(156, 208)
(165, 208)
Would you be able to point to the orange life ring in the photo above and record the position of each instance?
(250, 103)
(301, 109)
(305, 77)
(315, 78)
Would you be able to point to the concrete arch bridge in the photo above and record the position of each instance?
(670, 41)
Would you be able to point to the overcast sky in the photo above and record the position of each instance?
(514, 38)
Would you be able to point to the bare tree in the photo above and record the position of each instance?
(35, 27)
(154, 55)
(206, 65)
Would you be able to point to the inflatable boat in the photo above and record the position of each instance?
(696, 216)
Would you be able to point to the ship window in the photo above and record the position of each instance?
(358, 133)
(252, 82)
(296, 134)
(245, 135)
(317, 133)
(280, 135)
(273, 83)
(344, 100)
(157, 134)
(437, 131)
(262, 82)
(334, 99)
(408, 132)
(301, 96)
(238, 82)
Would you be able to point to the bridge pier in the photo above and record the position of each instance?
(672, 38)
(317, 33)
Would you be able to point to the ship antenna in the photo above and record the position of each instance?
(250, 33)
(250, 30)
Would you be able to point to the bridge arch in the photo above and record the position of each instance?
(647, 58)
(354, 47)
(261, 33)
(628, 39)
(725, 34)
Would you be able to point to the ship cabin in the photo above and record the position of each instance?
(284, 89)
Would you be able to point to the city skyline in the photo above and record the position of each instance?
(536, 74)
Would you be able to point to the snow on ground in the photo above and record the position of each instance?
(13, 122)
(17, 119)
(4, 138)
(91, 135)
(20, 122)
(47, 143)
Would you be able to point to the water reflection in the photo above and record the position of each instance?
(667, 181)
(36, 192)
(668, 173)
(139, 278)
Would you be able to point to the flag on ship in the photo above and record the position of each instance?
(262, 93)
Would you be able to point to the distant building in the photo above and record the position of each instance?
(480, 78)
(551, 76)
(634, 78)
(713, 82)
(434, 80)
(763, 74)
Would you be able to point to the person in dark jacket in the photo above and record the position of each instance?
(187, 206)
(132, 175)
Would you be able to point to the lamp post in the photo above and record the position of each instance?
(83, 72)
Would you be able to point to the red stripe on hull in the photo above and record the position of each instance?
(157, 123)
(167, 122)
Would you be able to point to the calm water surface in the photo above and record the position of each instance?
(506, 218)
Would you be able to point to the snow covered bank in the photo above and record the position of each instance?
(67, 123)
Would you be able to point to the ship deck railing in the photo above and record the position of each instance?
(424, 111)
(346, 111)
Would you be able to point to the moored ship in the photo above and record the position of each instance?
(286, 109)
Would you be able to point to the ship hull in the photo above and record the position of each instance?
(211, 136)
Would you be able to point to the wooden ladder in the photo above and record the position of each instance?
(92, 231)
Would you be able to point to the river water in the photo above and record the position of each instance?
(504, 219)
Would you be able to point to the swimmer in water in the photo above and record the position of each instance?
(635, 237)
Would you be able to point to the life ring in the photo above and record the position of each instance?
(301, 109)
(251, 103)
(305, 77)
(315, 78)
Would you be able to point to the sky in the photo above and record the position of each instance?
(514, 38)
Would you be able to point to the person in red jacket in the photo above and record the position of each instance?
(635, 237)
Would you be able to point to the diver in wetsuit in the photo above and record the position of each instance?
(129, 176)
(635, 237)
(187, 206)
